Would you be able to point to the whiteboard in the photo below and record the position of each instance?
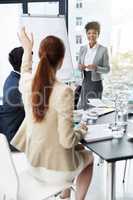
(42, 26)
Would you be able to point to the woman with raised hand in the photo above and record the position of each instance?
(47, 135)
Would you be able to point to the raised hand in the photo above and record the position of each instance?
(26, 41)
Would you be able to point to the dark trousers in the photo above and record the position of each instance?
(77, 95)
(90, 90)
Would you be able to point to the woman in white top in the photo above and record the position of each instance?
(47, 135)
(93, 62)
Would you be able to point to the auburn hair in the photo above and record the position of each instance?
(51, 53)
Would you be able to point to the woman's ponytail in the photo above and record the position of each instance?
(42, 88)
(51, 53)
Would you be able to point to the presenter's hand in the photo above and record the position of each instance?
(26, 41)
(91, 66)
(81, 66)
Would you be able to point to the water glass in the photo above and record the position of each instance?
(118, 131)
(77, 116)
(90, 117)
(121, 115)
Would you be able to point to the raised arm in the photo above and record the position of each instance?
(26, 67)
(27, 43)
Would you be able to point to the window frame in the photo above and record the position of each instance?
(63, 6)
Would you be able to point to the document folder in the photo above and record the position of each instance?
(98, 132)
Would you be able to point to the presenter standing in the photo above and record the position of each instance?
(93, 62)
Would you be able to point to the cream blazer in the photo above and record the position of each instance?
(50, 143)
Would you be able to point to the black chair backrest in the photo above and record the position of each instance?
(10, 120)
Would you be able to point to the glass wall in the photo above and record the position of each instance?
(116, 22)
(83, 11)
(121, 46)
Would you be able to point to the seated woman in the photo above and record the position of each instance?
(47, 134)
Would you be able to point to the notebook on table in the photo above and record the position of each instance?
(100, 103)
(98, 132)
(100, 107)
(101, 111)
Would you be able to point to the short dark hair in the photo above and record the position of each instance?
(15, 58)
(93, 25)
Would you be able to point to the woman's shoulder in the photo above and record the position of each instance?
(62, 90)
(62, 87)
(102, 47)
(61, 94)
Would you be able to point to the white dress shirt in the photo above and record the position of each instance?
(90, 55)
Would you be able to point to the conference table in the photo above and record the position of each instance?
(112, 151)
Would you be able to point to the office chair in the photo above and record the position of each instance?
(10, 120)
(8, 175)
(37, 190)
(23, 186)
(124, 175)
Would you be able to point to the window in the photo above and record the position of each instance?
(44, 8)
(79, 21)
(77, 56)
(79, 4)
(78, 39)
(9, 23)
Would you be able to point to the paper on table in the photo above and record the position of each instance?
(98, 132)
(99, 103)
(100, 110)
(96, 102)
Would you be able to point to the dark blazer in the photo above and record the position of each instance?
(12, 111)
(11, 94)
